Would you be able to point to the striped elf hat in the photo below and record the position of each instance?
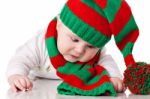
(95, 21)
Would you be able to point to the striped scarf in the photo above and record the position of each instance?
(79, 78)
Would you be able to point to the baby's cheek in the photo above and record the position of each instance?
(92, 54)
(60, 48)
(86, 57)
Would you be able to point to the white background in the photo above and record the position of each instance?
(21, 19)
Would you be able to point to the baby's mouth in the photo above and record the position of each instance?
(74, 56)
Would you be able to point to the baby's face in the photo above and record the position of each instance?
(72, 47)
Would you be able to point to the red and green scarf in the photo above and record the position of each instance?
(89, 78)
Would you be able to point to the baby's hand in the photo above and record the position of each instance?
(118, 84)
(19, 82)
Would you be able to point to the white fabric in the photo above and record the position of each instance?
(32, 58)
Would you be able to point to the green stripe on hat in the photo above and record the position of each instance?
(112, 9)
(94, 6)
(51, 44)
(130, 26)
(127, 49)
(82, 29)
(55, 18)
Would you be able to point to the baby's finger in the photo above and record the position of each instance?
(124, 87)
(18, 85)
(23, 83)
(120, 87)
(115, 85)
(31, 86)
(28, 83)
(13, 88)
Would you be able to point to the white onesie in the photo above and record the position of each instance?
(32, 58)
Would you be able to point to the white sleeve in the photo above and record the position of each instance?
(109, 64)
(26, 57)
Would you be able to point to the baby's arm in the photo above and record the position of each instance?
(26, 57)
(110, 65)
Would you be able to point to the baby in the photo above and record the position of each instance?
(33, 57)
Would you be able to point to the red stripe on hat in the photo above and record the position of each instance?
(122, 17)
(131, 37)
(129, 60)
(77, 82)
(51, 30)
(101, 3)
(89, 16)
(58, 61)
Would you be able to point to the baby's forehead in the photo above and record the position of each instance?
(77, 37)
(65, 28)
(71, 33)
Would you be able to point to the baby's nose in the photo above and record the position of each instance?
(80, 49)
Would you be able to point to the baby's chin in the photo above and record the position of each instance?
(72, 61)
(67, 58)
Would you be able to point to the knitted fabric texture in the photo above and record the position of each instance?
(95, 21)
(78, 78)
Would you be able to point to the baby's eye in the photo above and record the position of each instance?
(90, 46)
(74, 40)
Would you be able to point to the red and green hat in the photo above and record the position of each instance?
(95, 21)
